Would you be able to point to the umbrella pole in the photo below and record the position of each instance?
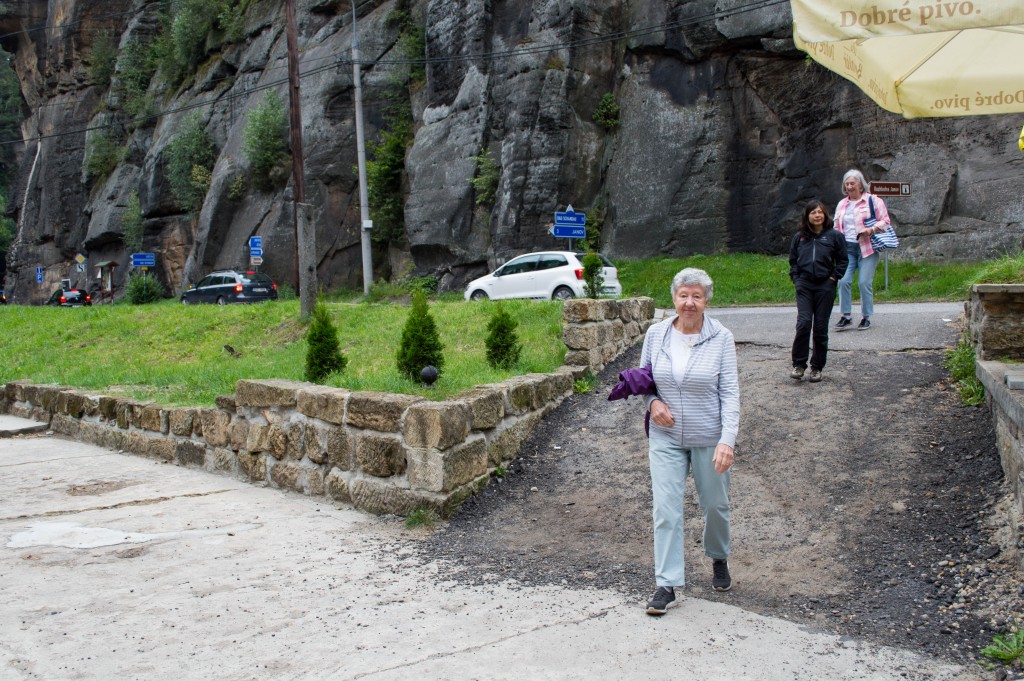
(886, 254)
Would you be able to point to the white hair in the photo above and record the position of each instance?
(857, 175)
(691, 276)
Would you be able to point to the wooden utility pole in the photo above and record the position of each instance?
(305, 232)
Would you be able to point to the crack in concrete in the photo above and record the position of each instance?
(123, 504)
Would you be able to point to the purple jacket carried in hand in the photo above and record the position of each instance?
(639, 381)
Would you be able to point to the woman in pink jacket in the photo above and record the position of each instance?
(851, 213)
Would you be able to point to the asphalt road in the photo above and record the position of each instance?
(116, 566)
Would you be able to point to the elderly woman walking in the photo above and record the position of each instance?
(695, 416)
(853, 219)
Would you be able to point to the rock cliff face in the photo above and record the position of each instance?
(724, 132)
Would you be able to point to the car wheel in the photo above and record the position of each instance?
(562, 293)
(184, 300)
(220, 300)
(478, 295)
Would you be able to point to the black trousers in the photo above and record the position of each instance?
(814, 301)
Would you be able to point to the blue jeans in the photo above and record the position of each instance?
(670, 465)
(865, 282)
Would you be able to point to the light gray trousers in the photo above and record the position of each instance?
(670, 464)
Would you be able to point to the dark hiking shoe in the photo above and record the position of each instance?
(797, 373)
(843, 323)
(864, 325)
(720, 581)
(815, 375)
(663, 599)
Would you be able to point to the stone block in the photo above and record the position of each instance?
(114, 438)
(377, 496)
(630, 332)
(238, 434)
(15, 390)
(315, 485)
(324, 443)
(163, 448)
(588, 358)
(581, 336)
(616, 331)
(92, 405)
(190, 453)
(486, 406)
(442, 471)
(108, 408)
(582, 310)
(378, 411)
(608, 352)
(253, 466)
(91, 432)
(180, 420)
(502, 446)
(258, 438)
(226, 403)
(288, 475)
(323, 402)
(337, 486)
(270, 392)
(296, 439)
(137, 442)
(46, 396)
(520, 395)
(609, 308)
(340, 448)
(277, 440)
(71, 403)
(380, 455)
(66, 425)
(215, 424)
(151, 418)
(437, 425)
(223, 460)
(573, 372)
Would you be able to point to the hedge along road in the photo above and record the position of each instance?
(869, 505)
(118, 566)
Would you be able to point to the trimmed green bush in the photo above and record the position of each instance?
(323, 355)
(420, 345)
(502, 342)
(263, 143)
(593, 274)
(143, 290)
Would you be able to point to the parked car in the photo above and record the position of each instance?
(231, 286)
(3, 298)
(551, 275)
(72, 297)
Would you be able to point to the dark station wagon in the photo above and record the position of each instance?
(231, 286)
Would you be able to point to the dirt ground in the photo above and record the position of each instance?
(869, 504)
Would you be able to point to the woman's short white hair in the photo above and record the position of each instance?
(857, 175)
(691, 276)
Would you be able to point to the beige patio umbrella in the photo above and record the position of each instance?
(921, 57)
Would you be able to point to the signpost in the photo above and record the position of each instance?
(39, 275)
(144, 260)
(255, 251)
(888, 189)
(569, 225)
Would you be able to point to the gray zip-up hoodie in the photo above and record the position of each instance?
(706, 405)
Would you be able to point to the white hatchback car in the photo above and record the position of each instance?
(556, 275)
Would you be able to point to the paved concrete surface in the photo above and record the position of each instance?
(114, 566)
(12, 425)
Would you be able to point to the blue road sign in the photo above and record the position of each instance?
(570, 218)
(143, 259)
(256, 244)
(255, 252)
(568, 232)
(39, 275)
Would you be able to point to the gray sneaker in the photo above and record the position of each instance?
(663, 599)
(815, 375)
(797, 373)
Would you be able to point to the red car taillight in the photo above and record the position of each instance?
(238, 288)
(579, 274)
(275, 287)
(88, 298)
(63, 299)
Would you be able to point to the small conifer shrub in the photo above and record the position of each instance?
(142, 290)
(593, 274)
(503, 346)
(420, 345)
(323, 356)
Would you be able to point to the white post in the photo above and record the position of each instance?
(365, 225)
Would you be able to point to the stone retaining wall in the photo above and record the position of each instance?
(995, 320)
(380, 452)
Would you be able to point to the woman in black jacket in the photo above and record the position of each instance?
(817, 260)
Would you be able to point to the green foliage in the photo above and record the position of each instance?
(586, 384)
(102, 155)
(132, 225)
(412, 46)
(593, 274)
(421, 517)
(102, 59)
(595, 225)
(554, 63)
(236, 191)
(190, 29)
(1008, 648)
(286, 291)
(12, 112)
(1008, 269)
(502, 342)
(384, 170)
(488, 174)
(263, 142)
(607, 112)
(323, 353)
(420, 345)
(135, 69)
(143, 290)
(189, 150)
(960, 362)
(7, 230)
(500, 471)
